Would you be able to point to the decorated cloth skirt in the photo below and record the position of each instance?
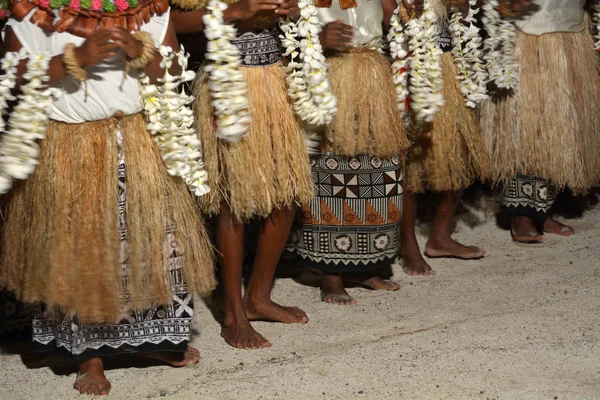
(268, 169)
(353, 223)
(449, 153)
(108, 247)
(549, 126)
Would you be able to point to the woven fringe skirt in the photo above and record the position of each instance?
(549, 126)
(368, 121)
(100, 229)
(448, 154)
(270, 168)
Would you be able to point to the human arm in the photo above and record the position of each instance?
(336, 35)
(191, 21)
(96, 48)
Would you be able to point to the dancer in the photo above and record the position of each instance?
(447, 156)
(349, 232)
(104, 233)
(544, 135)
(262, 176)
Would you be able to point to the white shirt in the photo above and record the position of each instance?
(109, 90)
(554, 16)
(366, 19)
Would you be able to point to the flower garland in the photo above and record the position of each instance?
(308, 85)
(171, 119)
(27, 123)
(4, 9)
(499, 47)
(227, 85)
(596, 19)
(399, 51)
(426, 82)
(466, 49)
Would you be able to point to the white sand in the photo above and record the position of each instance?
(523, 323)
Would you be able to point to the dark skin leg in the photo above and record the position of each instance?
(414, 262)
(91, 379)
(271, 243)
(440, 242)
(334, 292)
(236, 330)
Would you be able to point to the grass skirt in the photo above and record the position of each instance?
(74, 238)
(448, 154)
(268, 169)
(368, 121)
(549, 125)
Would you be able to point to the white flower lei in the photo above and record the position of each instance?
(596, 19)
(226, 80)
(27, 124)
(399, 51)
(308, 85)
(171, 119)
(466, 49)
(499, 47)
(426, 82)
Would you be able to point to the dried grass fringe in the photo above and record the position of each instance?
(61, 243)
(550, 125)
(267, 170)
(449, 154)
(368, 121)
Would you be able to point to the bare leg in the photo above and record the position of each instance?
(236, 330)
(524, 230)
(553, 226)
(271, 243)
(440, 242)
(91, 379)
(333, 291)
(414, 263)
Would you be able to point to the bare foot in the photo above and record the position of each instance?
(553, 226)
(414, 264)
(449, 248)
(90, 379)
(267, 310)
(175, 359)
(373, 283)
(333, 291)
(523, 230)
(243, 336)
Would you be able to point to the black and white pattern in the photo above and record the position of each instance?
(529, 192)
(151, 329)
(259, 49)
(443, 37)
(353, 221)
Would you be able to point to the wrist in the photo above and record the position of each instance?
(80, 57)
(138, 50)
(232, 13)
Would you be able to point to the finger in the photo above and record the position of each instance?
(267, 7)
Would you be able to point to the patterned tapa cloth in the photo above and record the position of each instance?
(529, 195)
(353, 222)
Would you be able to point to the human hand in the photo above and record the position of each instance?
(462, 5)
(246, 9)
(336, 34)
(132, 47)
(288, 7)
(99, 46)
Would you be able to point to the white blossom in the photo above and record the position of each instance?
(499, 47)
(226, 82)
(171, 122)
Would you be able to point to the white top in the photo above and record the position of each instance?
(109, 90)
(366, 19)
(554, 16)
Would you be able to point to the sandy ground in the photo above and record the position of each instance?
(524, 323)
